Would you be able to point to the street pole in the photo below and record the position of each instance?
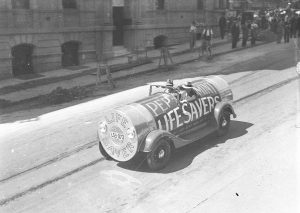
(297, 57)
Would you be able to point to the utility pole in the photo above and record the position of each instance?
(297, 59)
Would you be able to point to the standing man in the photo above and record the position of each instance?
(245, 30)
(193, 33)
(206, 40)
(235, 33)
(280, 29)
(254, 28)
(293, 26)
(222, 25)
(287, 29)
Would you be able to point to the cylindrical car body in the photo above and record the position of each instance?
(122, 130)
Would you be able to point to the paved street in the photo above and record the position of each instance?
(50, 160)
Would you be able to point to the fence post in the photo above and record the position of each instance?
(104, 68)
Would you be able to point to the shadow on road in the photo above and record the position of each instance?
(183, 157)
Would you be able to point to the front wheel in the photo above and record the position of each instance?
(224, 123)
(160, 155)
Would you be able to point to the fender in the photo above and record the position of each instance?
(220, 106)
(153, 137)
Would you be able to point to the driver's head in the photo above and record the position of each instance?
(188, 87)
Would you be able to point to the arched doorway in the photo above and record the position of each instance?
(70, 56)
(22, 59)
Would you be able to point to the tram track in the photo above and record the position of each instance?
(91, 144)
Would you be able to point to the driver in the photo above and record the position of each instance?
(191, 94)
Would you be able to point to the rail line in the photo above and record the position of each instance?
(93, 143)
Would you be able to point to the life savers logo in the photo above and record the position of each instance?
(120, 141)
(176, 116)
(116, 135)
(185, 113)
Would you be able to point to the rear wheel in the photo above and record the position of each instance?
(103, 152)
(224, 123)
(160, 155)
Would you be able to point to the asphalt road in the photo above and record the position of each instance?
(50, 162)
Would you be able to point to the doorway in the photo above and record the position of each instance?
(70, 55)
(118, 22)
(22, 59)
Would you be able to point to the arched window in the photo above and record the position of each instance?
(69, 4)
(20, 4)
(70, 53)
(22, 59)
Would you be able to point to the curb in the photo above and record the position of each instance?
(86, 71)
(89, 71)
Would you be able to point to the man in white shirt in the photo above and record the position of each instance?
(206, 42)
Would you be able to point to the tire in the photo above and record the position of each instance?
(224, 123)
(160, 155)
(104, 153)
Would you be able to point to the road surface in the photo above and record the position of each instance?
(50, 162)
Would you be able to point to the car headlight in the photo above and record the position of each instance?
(103, 127)
(130, 133)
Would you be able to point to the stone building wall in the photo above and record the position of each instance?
(47, 26)
(173, 21)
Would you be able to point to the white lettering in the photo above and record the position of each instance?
(171, 120)
(194, 111)
(159, 124)
(199, 106)
(153, 107)
(217, 99)
(167, 101)
(161, 105)
(186, 113)
(204, 106)
(166, 122)
(211, 103)
(178, 116)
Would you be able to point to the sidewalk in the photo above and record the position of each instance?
(18, 90)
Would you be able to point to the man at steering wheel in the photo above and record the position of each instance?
(191, 94)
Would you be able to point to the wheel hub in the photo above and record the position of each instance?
(224, 123)
(161, 154)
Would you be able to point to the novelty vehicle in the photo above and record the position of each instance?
(169, 118)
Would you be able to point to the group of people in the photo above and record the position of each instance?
(286, 26)
(205, 35)
(234, 26)
(189, 94)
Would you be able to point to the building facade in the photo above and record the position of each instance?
(39, 35)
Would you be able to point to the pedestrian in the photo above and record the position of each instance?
(274, 25)
(293, 26)
(253, 31)
(287, 29)
(222, 25)
(206, 40)
(279, 31)
(298, 26)
(235, 33)
(264, 22)
(245, 31)
(193, 34)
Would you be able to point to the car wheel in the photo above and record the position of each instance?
(224, 123)
(160, 155)
(104, 153)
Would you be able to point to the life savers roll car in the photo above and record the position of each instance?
(165, 120)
